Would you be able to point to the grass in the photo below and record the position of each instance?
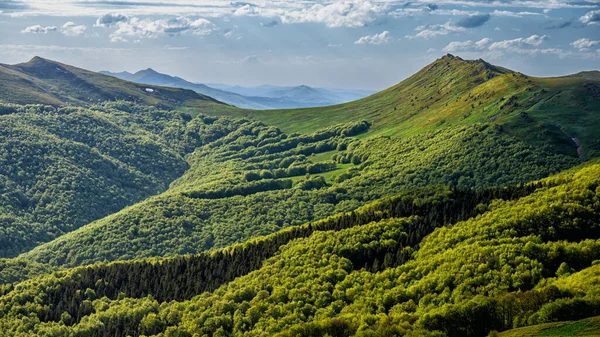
(452, 91)
(585, 327)
(329, 175)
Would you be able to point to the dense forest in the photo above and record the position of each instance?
(464, 201)
(488, 264)
(257, 180)
(63, 168)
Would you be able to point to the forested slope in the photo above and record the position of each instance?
(257, 180)
(63, 168)
(488, 264)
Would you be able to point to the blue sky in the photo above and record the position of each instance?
(346, 44)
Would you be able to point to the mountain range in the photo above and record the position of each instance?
(262, 97)
(463, 201)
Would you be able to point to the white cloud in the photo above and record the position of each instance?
(71, 29)
(334, 45)
(266, 8)
(136, 29)
(356, 13)
(514, 14)
(381, 38)
(483, 43)
(584, 44)
(467, 45)
(39, 29)
(108, 20)
(431, 31)
(591, 17)
(533, 40)
(247, 10)
(457, 46)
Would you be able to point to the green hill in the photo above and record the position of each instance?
(63, 168)
(455, 203)
(229, 195)
(42, 81)
(464, 264)
(452, 91)
(256, 179)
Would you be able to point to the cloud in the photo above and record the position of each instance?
(591, 17)
(483, 43)
(467, 45)
(473, 21)
(233, 33)
(524, 46)
(109, 20)
(247, 10)
(251, 60)
(381, 38)
(560, 24)
(169, 47)
(514, 14)
(264, 8)
(38, 29)
(136, 29)
(71, 29)
(269, 24)
(356, 13)
(432, 7)
(533, 40)
(334, 45)
(431, 31)
(584, 44)
(457, 46)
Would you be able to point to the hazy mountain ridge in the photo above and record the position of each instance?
(262, 97)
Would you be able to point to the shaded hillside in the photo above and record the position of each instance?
(48, 82)
(63, 168)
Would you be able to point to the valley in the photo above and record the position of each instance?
(463, 201)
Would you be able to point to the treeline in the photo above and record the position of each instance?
(181, 278)
(480, 315)
(242, 190)
(291, 171)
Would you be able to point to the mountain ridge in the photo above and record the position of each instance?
(272, 98)
(49, 82)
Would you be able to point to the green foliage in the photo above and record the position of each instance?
(63, 168)
(214, 204)
(494, 270)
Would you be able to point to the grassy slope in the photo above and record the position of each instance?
(49, 82)
(584, 327)
(452, 91)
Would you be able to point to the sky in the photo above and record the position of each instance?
(360, 44)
